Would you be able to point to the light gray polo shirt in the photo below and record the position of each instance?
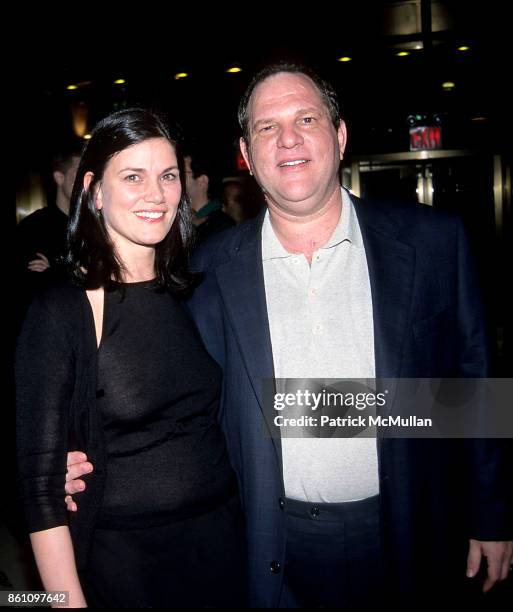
(321, 324)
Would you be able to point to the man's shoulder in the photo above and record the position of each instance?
(33, 220)
(42, 223)
(410, 219)
(41, 215)
(221, 246)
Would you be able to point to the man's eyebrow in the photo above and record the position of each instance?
(262, 122)
(310, 109)
(300, 111)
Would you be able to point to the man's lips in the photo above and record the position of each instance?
(297, 163)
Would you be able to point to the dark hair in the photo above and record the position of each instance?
(91, 257)
(328, 94)
(61, 161)
(203, 163)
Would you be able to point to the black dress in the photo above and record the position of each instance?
(170, 532)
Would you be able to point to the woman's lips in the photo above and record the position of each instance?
(149, 216)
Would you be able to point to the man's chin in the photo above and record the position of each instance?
(293, 208)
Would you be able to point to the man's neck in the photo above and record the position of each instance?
(198, 202)
(62, 203)
(307, 234)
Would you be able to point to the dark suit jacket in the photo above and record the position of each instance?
(428, 322)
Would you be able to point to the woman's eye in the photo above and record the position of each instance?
(169, 177)
(132, 178)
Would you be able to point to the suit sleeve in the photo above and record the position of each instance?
(44, 388)
(490, 460)
(474, 348)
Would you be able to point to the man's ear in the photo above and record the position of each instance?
(245, 154)
(58, 177)
(88, 177)
(342, 138)
(204, 180)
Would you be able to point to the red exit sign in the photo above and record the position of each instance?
(425, 138)
(240, 163)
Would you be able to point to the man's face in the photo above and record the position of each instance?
(66, 179)
(190, 181)
(294, 150)
(232, 202)
(197, 187)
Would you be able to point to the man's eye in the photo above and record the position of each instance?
(266, 128)
(308, 119)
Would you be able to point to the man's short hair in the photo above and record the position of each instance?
(62, 160)
(326, 90)
(203, 162)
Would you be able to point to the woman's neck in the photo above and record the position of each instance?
(138, 266)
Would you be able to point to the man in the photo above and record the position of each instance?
(202, 187)
(41, 236)
(242, 198)
(328, 286)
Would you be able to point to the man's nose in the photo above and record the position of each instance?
(290, 136)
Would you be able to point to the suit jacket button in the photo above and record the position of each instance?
(315, 511)
(275, 567)
(281, 502)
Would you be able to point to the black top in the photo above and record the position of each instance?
(58, 411)
(158, 395)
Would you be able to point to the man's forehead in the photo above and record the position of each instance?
(281, 87)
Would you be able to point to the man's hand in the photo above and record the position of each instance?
(499, 557)
(40, 264)
(77, 466)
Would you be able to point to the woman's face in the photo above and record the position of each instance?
(139, 195)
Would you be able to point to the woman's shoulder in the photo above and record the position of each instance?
(56, 314)
(61, 297)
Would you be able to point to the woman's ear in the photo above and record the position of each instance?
(88, 177)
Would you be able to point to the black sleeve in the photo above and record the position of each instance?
(44, 388)
(490, 461)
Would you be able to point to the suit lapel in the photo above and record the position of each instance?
(391, 266)
(241, 283)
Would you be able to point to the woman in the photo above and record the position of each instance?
(111, 364)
